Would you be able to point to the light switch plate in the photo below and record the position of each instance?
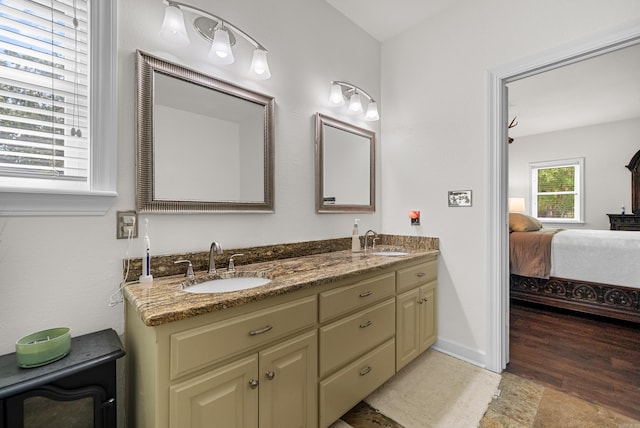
(127, 221)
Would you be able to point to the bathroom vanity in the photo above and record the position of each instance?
(301, 351)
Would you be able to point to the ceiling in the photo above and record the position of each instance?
(597, 90)
(384, 19)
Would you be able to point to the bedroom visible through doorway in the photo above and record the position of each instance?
(498, 169)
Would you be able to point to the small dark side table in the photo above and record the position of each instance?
(69, 392)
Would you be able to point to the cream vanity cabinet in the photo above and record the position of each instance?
(272, 388)
(356, 343)
(416, 317)
(254, 369)
(300, 359)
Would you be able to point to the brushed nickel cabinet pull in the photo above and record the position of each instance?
(260, 331)
(366, 293)
(366, 324)
(365, 371)
(253, 383)
(420, 274)
(270, 375)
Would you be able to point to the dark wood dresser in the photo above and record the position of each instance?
(624, 221)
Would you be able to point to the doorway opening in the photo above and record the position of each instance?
(497, 171)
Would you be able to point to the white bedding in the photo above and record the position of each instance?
(605, 256)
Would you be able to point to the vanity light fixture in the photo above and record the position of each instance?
(341, 89)
(221, 33)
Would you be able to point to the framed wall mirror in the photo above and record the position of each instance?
(203, 145)
(345, 167)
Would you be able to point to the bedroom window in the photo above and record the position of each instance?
(56, 56)
(557, 190)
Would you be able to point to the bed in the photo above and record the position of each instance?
(590, 271)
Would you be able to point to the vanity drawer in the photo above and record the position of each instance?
(344, 389)
(413, 276)
(196, 348)
(350, 337)
(351, 297)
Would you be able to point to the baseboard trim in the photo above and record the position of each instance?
(461, 352)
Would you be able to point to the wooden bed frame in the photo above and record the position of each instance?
(606, 300)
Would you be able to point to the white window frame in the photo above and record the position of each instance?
(578, 191)
(20, 201)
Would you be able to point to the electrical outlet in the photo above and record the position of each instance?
(127, 224)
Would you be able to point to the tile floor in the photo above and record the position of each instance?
(521, 404)
(524, 403)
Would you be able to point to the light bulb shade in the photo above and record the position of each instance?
(221, 52)
(259, 65)
(335, 97)
(355, 105)
(516, 205)
(173, 29)
(372, 112)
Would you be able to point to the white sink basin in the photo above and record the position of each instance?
(390, 253)
(226, 285)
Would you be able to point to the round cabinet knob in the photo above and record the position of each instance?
(253, 383)
(270, 375)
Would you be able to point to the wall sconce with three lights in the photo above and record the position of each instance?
(221, 34)
(341, 90)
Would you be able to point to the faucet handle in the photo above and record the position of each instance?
(373, 246)
(189, 273)
(232, 265)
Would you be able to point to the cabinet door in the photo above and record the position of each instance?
(223, 398)
(428, 316)
(288, 383)
(407, 327)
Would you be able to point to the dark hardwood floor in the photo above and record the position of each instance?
(593, 358)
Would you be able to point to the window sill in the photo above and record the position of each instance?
(18, 202)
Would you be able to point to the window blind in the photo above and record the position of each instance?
(44, 93)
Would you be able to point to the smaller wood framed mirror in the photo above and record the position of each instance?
(345, 167)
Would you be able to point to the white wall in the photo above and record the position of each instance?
(434, 133)
(606, 149)
(60, 271)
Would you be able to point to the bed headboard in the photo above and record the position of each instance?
(634, 167)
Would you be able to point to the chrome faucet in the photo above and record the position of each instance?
(366, 237)
(216, 248)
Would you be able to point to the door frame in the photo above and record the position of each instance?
(497, 230)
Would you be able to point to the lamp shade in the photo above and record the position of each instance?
(335, 97)
(355, 105)
(173, 29)
(259, 65)
(221, 52)
(372, 112)
(516, 205)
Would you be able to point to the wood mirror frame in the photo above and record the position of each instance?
(333, 132)
(634, 167)
(148, 171)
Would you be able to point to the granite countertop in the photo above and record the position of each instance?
(163, 301)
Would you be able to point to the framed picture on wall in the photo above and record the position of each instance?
(459, 198)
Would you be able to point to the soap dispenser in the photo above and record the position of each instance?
(355, 238)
